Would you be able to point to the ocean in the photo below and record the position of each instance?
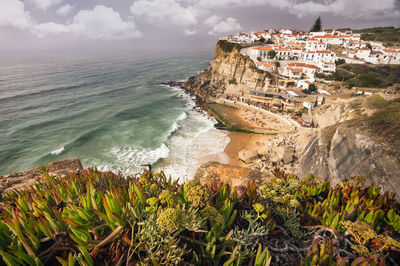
(110, 111)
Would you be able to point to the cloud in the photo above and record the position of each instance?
(165, 12)
(65, 10)
(12, 13)
(103, 23)
(190, 32)
(229, 25)
(211, 21)
(354, 9)
(99, 23)
(44, 29)
(45, 4)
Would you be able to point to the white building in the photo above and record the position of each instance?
(315, 56)
(266, 66)
(312, 45)
(326, 67)
(363, 53)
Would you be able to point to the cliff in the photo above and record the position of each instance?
(230, 72)
(366, 146)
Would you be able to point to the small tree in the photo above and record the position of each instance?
(340, 61)
(271, 54)
(262, 40)
(312, 87)
(317, 25)
(369, 46)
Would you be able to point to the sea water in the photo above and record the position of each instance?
(110, 111)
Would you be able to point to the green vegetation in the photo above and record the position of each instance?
(271, 54)
(221, 114)
(340, 61)
(90, 218)
(317, 25)
(383, 34)
(312, 87)
(376, 102)
(356, 75)
(228, 46)
(385, 124)
(233, 81)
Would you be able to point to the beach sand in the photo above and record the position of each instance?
(248, 141)
(252, 120)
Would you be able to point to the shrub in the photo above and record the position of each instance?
(228, 46)
(232, 81)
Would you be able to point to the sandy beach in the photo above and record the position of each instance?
(273, 133)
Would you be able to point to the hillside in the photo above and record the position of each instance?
(384, 34)
(366, 75)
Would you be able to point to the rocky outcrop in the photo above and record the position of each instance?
(216, 173)
(347, 153)
(230, 71)
(28, 178)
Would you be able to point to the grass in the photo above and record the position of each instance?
(93, 218)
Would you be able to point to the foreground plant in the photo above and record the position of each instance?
(92, 218)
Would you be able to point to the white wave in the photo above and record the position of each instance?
(196, 143)
(58, 151)
(128, 160)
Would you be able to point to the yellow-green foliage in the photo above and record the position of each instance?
(167, 197)
(89, 218)
(196, 194)
(169, 219)
(363, 234)
(210, 213)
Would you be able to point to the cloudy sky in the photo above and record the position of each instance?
(171, 25)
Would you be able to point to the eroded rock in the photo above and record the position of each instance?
(21, 180)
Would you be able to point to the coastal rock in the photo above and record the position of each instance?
(216, 173)
(28, 178)
(346, 154)
(248, 155)
(288, 155)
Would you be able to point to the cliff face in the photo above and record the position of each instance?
(230, 72)
(346, 154)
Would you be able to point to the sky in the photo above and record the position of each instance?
(170, 26)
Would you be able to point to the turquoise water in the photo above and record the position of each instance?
(109, 111)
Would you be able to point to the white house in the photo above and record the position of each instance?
(296, 53)
(266, 66)
(363, 53)
(308, 70)
(283, 54)
(326, 67)
(354, 44)
(261, 51)
(317, 33)
(393, 56)
(292, 73)
(304, 84)
(315, 56)
(329, 39)
(312, 45)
